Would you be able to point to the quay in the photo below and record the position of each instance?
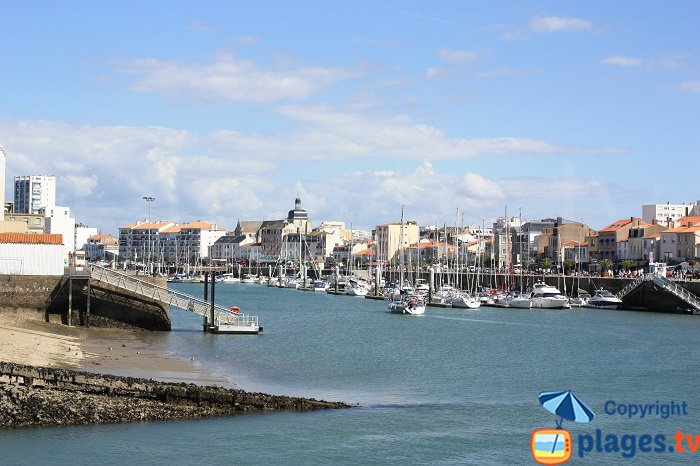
(104, 297)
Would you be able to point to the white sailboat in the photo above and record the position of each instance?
(405, 302)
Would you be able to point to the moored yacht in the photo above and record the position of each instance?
(603, 299)
(548, 297)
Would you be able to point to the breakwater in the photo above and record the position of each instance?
(40, 396)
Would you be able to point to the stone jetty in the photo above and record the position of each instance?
(41, 396)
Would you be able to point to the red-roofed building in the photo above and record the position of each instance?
(680, 244)
(639, 249)
(101, 247)
(610, 236)
(31, 254)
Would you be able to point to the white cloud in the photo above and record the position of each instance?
(104, 171)
(349, 134)
(81, 186)
(621, 60)
(690, 86)
(558, 23)
(229, 78)
(457, 55)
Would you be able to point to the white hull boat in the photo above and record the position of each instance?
(544, 296)
(603, 299)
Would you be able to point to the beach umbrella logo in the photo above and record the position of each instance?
(553, 446)
(567, 406)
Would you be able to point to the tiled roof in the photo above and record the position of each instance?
(151, 225)
(574, 243)
(30, 238)
(199, 225)
(689, 220)
(365, 252)
(622, 223)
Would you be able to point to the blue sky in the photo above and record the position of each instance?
(229, 110)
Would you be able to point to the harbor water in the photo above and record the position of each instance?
(452, 387)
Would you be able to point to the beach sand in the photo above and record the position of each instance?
(26, 339)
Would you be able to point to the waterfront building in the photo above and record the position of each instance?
(23, 223)
(666, 214)
(576, 251)
(198, 237)
(59, 220)
(248, 228)
(101, 247)
(137, 239)
(388, 237)
(565, 231)
(680, 243)
(272, 233)
(34, 192)
(609, 236)
(637, 248)
(31, 254)
(651, 247)
(229, 248)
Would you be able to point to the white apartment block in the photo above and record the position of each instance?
(59, 220)
(166, 242)
(34, 192)
(665, 213)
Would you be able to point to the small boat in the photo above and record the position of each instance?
(356, 288)
(465, 301)
(411, 304)
(227, 278)
(548, 297)
(603, 299)
(517, 301)
(319, 285)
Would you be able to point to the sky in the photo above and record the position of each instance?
(459, 111)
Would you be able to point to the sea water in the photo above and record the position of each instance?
(454, 386)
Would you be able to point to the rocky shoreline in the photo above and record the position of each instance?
(43, 396)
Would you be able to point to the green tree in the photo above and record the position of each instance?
(568, 265)
(546, 264)
(605, 265)
(628, 264)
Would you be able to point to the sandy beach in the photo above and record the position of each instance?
(26, 339)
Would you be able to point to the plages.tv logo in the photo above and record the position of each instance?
(553, 446)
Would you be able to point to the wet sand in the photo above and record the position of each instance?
(26, 339)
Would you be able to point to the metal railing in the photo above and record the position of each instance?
(677, 291)
(665, 283)
(630, 287)
(174, 298)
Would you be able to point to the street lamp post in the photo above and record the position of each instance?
(149, 200)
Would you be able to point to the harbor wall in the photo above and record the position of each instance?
(109, 306)
(647, 297)
(41, 396)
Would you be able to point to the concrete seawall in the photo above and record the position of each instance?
(40, 396)
(109, 306)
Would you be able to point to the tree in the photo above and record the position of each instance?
(605, 265)
(628, 264)
(568, 265)
(546, 264)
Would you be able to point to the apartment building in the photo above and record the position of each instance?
(665, 214)
(389, 240)
(608, 237)
(34, 192)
